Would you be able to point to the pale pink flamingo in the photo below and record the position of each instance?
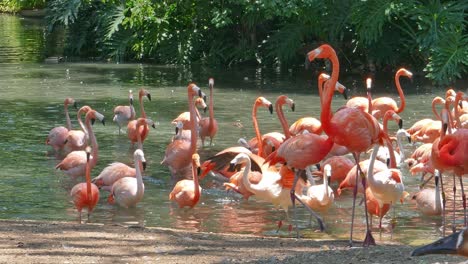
(58, 135)
(320, 197)
(74, 163)
(128, 191)
(187, 192)
(85, 194)
(350, 127)
(178, 155)
(78, 139)
(428, 132)
(209, 125)
(429, 200)
(382, 104)
(132, 125)
(124, 113)
(184, 117)
(118, 170)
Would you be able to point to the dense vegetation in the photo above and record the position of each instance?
(13, 6)
(427, 35)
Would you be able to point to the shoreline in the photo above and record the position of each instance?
(30, 241)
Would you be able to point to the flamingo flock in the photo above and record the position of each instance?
(279, 167)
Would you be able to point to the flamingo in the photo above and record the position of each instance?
(456, 243)
(460, 111)
(184, 117)
(128, 191)
(209, 125)
(78, 139)
(382, 104)
(360, 102)
(428, 200)
(118, 170)
(258, 141)
(320, 197)
(340, 166)
(85, 194)
(187, 192)
(132, 125)
(74, 163)
(58, 135)
(430, 130)
(124, 113)
(349, 127)
(374, 208)
(179, 153)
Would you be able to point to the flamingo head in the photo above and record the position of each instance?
(69, 101)
(341, 89)
(404, 72)
(262, 101)
(321, 52)
(200, 102)
(140, 156)
(84, 109)
(130, 96)
(194, 90)
(144, 92)
(93, 115)
(238, 161)
(211, 82)
(196, 162)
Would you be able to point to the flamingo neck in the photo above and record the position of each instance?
(88, 180)
(369, 101)
(211, 109)
(391, 152)
(321, 81)
(139, 177)
(436, 101)
(245, 177)
(138, 125)
(438, 205)
(400, 146)
(326, 115)
(80, 122)
(142, 108)
(257, 130)
(132, 111)
(67, 116)
(196, 185)
(282, 119)
(370, 169)
(193, 125)
(400, 93)
(93, 140)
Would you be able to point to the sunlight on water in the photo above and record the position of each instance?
(32, 103)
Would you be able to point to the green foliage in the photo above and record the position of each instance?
(429, 35)
(14, 6)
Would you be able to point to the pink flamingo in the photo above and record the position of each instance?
(187, 192)
(124, 113)
(320, 197)
(430, 130)
(360, 102)
(184, 117)
(128, 191)
(74, 163)
(118, 170)
(58, 135)
(428, 200)
(209, 125)
(257, 141)
(78, 139)
(132, 125)
(85, 194)
(178, 155)
(349, 127)
(382, 104)
(340, 166)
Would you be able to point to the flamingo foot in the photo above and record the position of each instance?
(368, 240)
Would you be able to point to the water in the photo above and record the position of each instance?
(31, 103)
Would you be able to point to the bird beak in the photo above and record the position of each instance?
(293, 107)
(318, 166)
(400, 123)
(153, 125)
(232, 167)
(75, 104)
(176, 130)
(198, 170)
(103, 121)
(409, 140)
(200, 94)
(92, 121)
(445, 245)
(270, 108)
(144, 165)
(204, 98)
(149, 96)
(131, 101)
(345, 94)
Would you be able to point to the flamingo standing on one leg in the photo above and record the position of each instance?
(124, 113)
(349, 127)
(58, 135)
(209, 125)
(382, 104)
(74, 163)
(85, 194)
(128, 191)
(132, 125)
(187, 192)
(78, 139)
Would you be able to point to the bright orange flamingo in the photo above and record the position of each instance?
(85, 194)
(118, 170)
(178, 156)
(256, 143)
(124, 113)
(349, 127)
(128, 191)
(74, 163)
(187, 192)
(209, 125)
(132, 125)
(78, 139)
(184, 117)
(58, 135)
(382, 104)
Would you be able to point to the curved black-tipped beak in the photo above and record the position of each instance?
(232, 167)
(345, 94)
(75, 104)
(460, 104)
(409, 140)
(153, 125)
(293, 107)
(103, 121)
(92, 121)
(445, 245)
(144, 165)
(204, 98)
(88, 155)
(388, 162)
(176, 130)
(204, 109)
(198, 170)
(200, 94)
(318, 166)
(270, 108)
(131, 101)
(66, 141)
(445, 127)
(400, 123)
(149, 96)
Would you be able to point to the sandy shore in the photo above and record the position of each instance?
(63, 242)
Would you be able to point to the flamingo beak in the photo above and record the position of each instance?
(445, 245)
(400, 123)
(75, 105)
(232, 167)
(149, 96)
(445, 127)
(345, 94)
(460, 104)
(131, 101)
(177, 130)
(409, 140)
(198, 170)
(200, 94)
(318, 166)
(144, 165)
(153, 125)
(103, 121)
(92, 121)
(293, 107)
(270, 108)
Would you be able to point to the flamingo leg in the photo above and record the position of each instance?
(443, 204)
(454, 228)
(293, 200)
(369, 239)
(79, 217)
(425, 182)
(312, 213)
(463, 200)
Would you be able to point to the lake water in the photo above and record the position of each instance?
(31, 103)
